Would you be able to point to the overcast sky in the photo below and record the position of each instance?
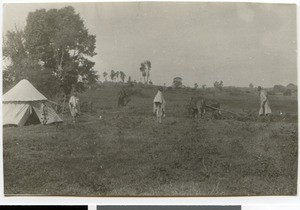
(239, 43)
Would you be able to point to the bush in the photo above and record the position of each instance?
(271, 92)
(278, 88)
(177, 84)
(234, 91)
(218, 85)
(287, 92)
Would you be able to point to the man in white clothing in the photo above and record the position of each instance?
(264, 102)
(159, 104)
(74, 107)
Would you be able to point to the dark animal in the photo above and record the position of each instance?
(124, 97)
(197, 106)
(200, 105)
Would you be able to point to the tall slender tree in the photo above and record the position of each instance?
(112, 75)
(129, 79)
(148, 69)
(196, 86)
(105, 75)
(117, 75)
(122, 76)
(145, 69)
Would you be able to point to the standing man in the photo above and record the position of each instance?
(44, 113)
(74, 107)
(159, 104)
(264, 102)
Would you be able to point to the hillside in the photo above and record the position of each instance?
(126, 153)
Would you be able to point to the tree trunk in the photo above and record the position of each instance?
(148, 75)
(64, 102)
(91, 107)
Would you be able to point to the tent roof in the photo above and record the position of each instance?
(23, 91)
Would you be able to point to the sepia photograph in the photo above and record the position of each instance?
(149, 99)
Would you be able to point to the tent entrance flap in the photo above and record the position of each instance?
(45, 113)
(33, 119)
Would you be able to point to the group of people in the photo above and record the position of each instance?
(159, 104)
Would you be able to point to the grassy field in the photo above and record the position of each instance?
(126, 153)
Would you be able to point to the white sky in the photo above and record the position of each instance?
(237, 43)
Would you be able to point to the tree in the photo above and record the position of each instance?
(148, 69)
(177, 82)
(7, 80)
(287, 92)
(221, 85)
(196, 86)
(122, 76)
(251, 86)
(117, 74)
(279, 88)
(218, 85)
(52, 50)
(144, 75)
(23, 65)
(203, 86)
(129, 79)
(145, 69)
(292, 87)
(129, 82)
(112, 75)
(105, 75)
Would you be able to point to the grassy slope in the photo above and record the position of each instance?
(128, 153)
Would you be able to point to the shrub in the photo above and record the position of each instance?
(177, 82)
(287, 92)
(278, 88)
(218, 85)
(271, 92)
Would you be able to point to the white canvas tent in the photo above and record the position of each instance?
(25, 103)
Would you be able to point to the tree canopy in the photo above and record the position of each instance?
(177, 82)
(105, 75)
(122, 75)
(145, 69)
(52, 51)
(218, 85)
(112, 75)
